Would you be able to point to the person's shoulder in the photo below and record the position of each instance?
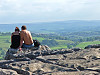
(21, 31)
(28, 31)
(13, 33)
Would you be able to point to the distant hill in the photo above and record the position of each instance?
(58, 26)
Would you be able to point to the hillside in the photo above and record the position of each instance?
(56, 27)
(49, 62)
(84, 44)
(54, 41)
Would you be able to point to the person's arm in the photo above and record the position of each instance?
(21, 43)
(21, 40)
(11, 37)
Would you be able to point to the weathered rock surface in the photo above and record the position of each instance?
(44, 61)
(8, 72)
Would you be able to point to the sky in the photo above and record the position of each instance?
(29, 11)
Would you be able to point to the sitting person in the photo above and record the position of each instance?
(15, 39)
(26, 38)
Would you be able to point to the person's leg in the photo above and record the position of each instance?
(25, 46)
(28, 46)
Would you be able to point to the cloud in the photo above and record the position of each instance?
(50, 9)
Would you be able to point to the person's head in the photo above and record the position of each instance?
(23, 27)
(17, 29)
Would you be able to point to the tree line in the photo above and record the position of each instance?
(50, 39)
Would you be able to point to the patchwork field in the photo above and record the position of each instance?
(84, 44)
(62, 44)
(4, 45)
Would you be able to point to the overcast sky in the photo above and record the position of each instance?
(26, 11)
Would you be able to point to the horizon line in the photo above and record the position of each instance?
(48, 21)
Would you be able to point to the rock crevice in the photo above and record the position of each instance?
(44, 61)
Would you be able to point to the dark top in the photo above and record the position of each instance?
(15, 41)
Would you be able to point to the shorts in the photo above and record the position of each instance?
(27, 46)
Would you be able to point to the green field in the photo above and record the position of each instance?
(62, 44)
(58, 47)
(4, 42)
(84, 44)
(4, 45)
(39, 38)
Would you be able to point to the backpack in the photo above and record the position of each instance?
(36, 43)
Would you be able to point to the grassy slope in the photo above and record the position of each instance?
(62, 44)
(3, 44)
(84, 44)
(58, 47)
(39, 38)
(64, 41)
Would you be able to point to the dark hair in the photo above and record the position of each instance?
(23, 27)
(17, 29)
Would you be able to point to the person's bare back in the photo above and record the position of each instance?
(26, 37)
